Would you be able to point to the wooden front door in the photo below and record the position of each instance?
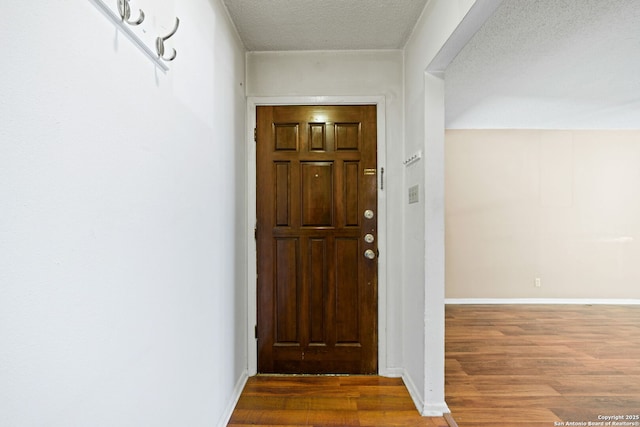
(317, 239)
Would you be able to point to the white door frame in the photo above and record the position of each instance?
(252, 103)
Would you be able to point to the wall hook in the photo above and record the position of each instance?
(160, 43)
(124, 8)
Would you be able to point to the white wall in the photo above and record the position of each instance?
(320, 74)
(561, 206)
(423, 234)
(121, 198)
(549, 64)
(546, 188)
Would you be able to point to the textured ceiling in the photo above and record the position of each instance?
(533, 64)
(550, 64)
(276, 25)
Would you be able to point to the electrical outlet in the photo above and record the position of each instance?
(414, 193)
(537, 283)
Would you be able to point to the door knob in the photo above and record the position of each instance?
(369, 238)
(369, 254)
(368, 214)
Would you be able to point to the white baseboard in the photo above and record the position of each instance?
(435, 410)
(425, 409)
(237, 391)
(573, 301)
(415, 394)
(392, 373)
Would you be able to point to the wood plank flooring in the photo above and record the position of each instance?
(507, 366)
(542, 365)
(364, 401)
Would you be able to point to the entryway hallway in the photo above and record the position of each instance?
(364, 401)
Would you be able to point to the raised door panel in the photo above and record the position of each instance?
(317, 293)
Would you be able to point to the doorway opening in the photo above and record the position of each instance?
(253, 103)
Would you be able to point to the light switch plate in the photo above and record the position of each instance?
(414, 194)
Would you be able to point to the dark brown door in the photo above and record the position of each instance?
(317, 239)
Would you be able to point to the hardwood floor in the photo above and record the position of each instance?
(507, 366)
(328, 401)
(542, 365)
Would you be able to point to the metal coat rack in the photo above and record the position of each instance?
(122, 18)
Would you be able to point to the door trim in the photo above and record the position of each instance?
(252, 103)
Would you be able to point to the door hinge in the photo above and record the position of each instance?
(256, 331)
(255, 134)
(381, 178)
(255, 233)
